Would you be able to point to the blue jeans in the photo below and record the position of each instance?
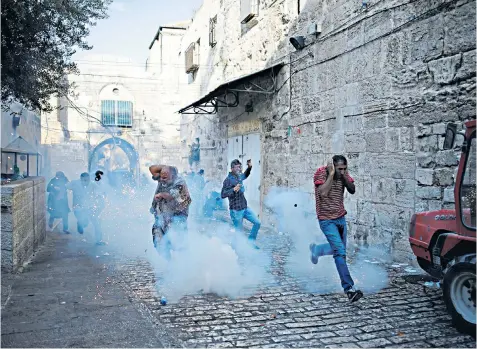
(335, 232)
(249, 215)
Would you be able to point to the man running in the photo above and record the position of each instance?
(171, 202)
(233, 189)
(88, 203)
(330, 183)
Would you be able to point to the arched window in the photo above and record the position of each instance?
(116, 106)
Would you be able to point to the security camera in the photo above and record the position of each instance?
(298, 42)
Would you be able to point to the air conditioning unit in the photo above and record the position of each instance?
(192, 58)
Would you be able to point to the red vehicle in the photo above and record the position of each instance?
(444, 241)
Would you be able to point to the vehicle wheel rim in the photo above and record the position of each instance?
(462, 292)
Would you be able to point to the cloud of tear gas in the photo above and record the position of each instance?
(213, 258)
(295, 216)
(202, 261)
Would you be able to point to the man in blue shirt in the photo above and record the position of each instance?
(234, 190)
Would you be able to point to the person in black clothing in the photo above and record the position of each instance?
(234, 190)
(58, 200)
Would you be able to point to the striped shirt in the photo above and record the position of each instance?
(331, 206)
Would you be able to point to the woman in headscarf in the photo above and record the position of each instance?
(58, 200)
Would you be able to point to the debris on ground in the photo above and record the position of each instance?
(431, 284)
(410, 270)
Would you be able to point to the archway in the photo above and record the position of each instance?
(118, 160)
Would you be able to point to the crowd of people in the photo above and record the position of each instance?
(88, 203)
(176, 195)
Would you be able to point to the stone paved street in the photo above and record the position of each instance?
(55, 302)
(282, 315)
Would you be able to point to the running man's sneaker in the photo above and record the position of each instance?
(314, 255)
(66, 232)
(252, 243)
(354, 295)
(100, 243)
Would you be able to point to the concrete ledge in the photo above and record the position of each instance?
(23, 221)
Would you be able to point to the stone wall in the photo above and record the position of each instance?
(23, 221)
(378, 85)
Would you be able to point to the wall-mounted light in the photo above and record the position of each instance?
(298, 42)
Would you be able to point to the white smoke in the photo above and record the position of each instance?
(210, 258)
(295, 216)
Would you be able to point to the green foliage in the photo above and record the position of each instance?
(39, 37)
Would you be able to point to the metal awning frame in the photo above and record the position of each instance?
(215, 103)
(210, 103)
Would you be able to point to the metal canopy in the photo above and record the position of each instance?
(226, 95)
(21, 146)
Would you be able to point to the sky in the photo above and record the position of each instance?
(132, 24)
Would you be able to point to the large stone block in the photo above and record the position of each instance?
(365, 213)
(425, 176)
(429, 192)
(402, 118)
(405, 193)
(421, 206)
(392, 217)
(428, 144)
(443, 176)
(425, 160)
(444, 70)
(352, 122)
(449, 195)
(375, 120)
(406, 139)
(375, 142)
(311, 104)
(425, 40)
(393, 166)
(467, 67)
(460, 29)
(435, 205)
(355, 143)
(383, 190)
(355, 36)
(377, 25)
(392, 143)
(446, 158)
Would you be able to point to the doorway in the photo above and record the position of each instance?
(247, 147)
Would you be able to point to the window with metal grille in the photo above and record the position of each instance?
(117, 113)
(212, 31)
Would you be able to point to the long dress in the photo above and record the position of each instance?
(57, 199)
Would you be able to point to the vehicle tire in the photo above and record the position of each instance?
(459, 292)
